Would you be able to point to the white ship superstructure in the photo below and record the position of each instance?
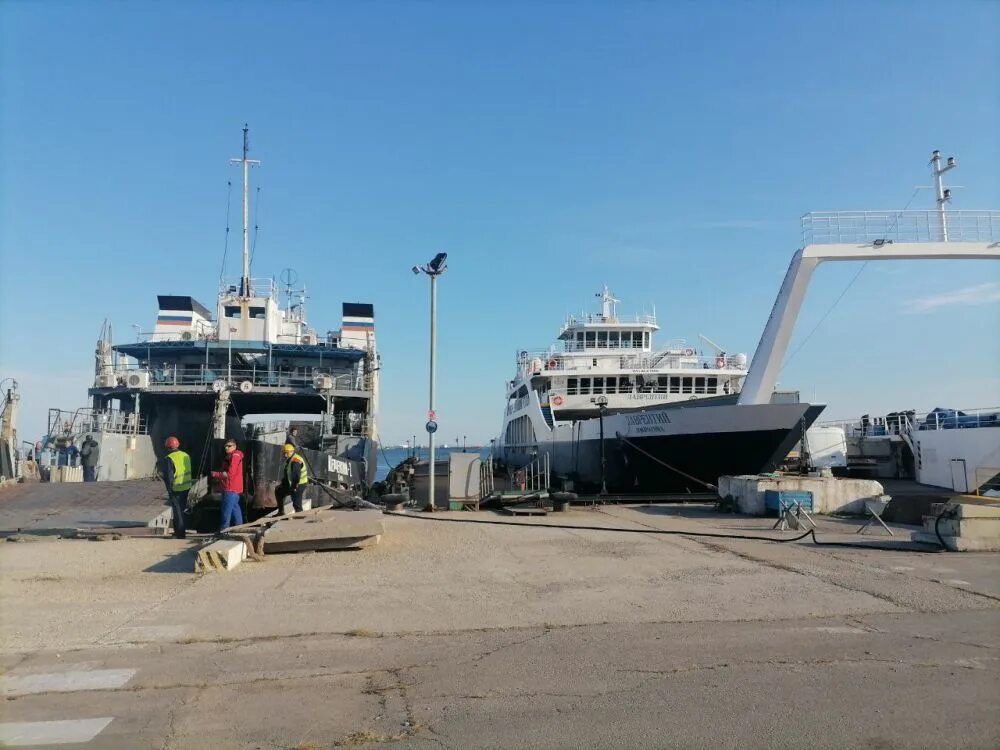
(607, 361)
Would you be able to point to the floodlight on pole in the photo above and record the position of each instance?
(437, 266)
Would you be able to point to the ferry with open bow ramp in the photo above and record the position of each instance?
(201, 372)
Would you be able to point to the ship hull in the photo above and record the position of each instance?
(677, 448)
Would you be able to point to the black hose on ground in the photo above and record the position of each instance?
(946, 512)
(811, 533)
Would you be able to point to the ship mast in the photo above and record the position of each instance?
(245, 290)
(943, 193)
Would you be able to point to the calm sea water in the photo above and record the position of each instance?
(390, 457)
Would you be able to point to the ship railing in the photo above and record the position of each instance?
(340, 423)
(88, 420)
(642, 319)
(318, 378)
(259, 287)
(346, 423)
(832, 227)
(537, 363)
(902, 423)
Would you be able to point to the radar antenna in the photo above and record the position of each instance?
(608, 301)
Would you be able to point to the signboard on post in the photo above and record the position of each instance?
(431, 426)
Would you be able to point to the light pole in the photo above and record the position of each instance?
(435, 268)
(602, 404)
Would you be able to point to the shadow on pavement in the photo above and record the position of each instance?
(181, 562)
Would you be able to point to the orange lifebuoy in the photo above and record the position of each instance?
(551, 365)
(689, 352)
(720, 362)
(556, 400)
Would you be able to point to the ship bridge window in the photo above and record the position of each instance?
(584, 386)
(571, 386)
(591, 338)
(602, 339)
(712, 385)
(675, 384)
(598, 385)
(687, 386)
(257, 312)
(611, 386)
(637, 339)
(579, 340)
(645, 340)
(232, 311)
(699, 385)
(613, 340)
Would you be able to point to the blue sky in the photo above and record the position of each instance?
(666, 149)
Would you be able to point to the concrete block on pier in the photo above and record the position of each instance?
(966, 527)
(66, 474)
(219, 556)
(325, 530)
(830, 494)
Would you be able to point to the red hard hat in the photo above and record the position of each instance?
(172, 442)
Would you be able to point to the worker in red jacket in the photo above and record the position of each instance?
(230, 481)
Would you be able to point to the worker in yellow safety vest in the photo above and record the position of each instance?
(294, 478)
(175, 467)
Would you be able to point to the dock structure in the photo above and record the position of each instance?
(51, 508)
(864, 236)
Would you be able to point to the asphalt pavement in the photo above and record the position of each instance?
(457, 636)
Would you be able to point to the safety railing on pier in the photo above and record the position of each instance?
(487, 485)
(535, 477)
(833, 227)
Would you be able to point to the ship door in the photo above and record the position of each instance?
(959, 479)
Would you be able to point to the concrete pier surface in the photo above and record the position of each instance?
(466, 636)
